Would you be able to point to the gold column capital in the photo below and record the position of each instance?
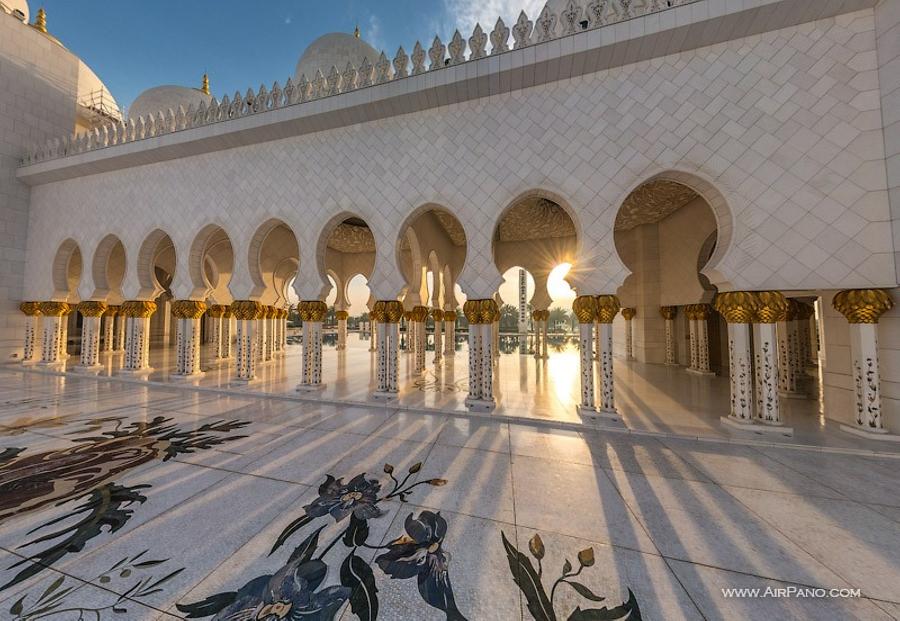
(138, 308)
(112, 310)
(736, 306)
(449, 315)
(32, 309)
(771, 307)
(92, 308)
(668, 312)
(188, 309)
(437, 314)
(419, 313)
(55, 309)
(629, 313)
(246, 310)
(472, 311)
(607, 308)
(315, 310)
(341, 315)
(862, 305)
(216, 310)
(585, 308)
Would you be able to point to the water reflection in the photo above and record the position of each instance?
(509, 343)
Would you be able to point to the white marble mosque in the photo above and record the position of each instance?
(729, 189)
(720, 177)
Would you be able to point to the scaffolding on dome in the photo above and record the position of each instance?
(99, 105)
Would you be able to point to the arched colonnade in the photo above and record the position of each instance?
(671, 233)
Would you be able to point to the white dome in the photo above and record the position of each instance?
(161, 98)
(11, 6)
(334, 50)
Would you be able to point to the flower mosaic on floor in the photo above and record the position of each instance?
(541, 605)
(85, 473)
(293, 591)
(136, 578)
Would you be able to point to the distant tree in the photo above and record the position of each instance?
(509, 317)
(560, 319)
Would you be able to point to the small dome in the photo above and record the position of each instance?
(334, 50)
(16, 7)
(161, 98)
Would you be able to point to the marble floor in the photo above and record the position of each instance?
(141, 501)
(651, 399)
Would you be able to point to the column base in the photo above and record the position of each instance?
(592, 413)
(221, 360)
(93, 369)
(29, 363)
(785, 394)
(480, 405)
(245, 381)
(756, 427)
(872, 434)
(311, 387)
(671, 364)
(58, 364)
(179, 377)
(136, 372)
(382, 395)
(700, 373)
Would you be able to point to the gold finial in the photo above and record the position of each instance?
(356, 31)
(204, 85)
(40, 21)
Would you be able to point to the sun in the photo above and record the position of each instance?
(560, 291)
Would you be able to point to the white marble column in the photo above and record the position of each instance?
(341, 316)
(32, 312)
(699, 315)
(385, 317)
(312, 312)
(419, 314)
(214, 330)
(64, 334)
(790, 375)
(449, 334)
(495, 337)
(544, 323)
(225, 352)
(137, 335)
(628, 314)
(91, 312)
(246, 313)
(438, 316)
(536, 329)
(668, 313)
(108, 322)
(737, 307)
(480, 314)
(694, 341)
(188, 314)
(862, 309)
(54, 316)
(607, 308)
(585, 308)
(119, 333)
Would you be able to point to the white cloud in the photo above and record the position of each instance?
(374, 34)
(288, 20)
(464, 14)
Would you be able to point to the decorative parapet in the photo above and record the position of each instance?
(577, 16)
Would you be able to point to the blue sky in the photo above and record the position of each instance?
(135, 45)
